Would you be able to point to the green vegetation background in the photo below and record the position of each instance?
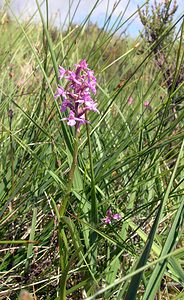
(137, 153)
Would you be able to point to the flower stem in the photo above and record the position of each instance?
(70, 177)
(62, 211)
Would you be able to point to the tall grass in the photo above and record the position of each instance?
(130, 159)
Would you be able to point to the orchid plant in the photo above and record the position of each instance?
(76, 102)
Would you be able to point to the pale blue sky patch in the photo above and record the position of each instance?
(59, 9)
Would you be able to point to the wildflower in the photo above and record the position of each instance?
(72, 76)
(130, 101)
(116, 216)
(77, 94)
(109, 213)
(110, 216)
(72, 119)
(146, 103)
(82, 120)
(91, 105)
(61, 72)
(64, 105)
(107, 220)
(82, 64)
(60, 92)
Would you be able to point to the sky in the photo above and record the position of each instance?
(58, 10)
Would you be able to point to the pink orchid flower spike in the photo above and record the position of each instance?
(76, 96)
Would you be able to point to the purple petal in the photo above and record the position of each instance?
(73, 77)
(82, 64)
(107, 220)
(109, 213)
(146, 103)
(60, 92)
(71, 122)
(56, 95)
(91, 105)
(116, 216)
(64, 105)
(61, 72)
(130, 101)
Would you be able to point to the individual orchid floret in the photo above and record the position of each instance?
(82, 65)
(82, 120)
(65, 105)
(62, 72)
(60, 92)
(92, 86)
(91, 105)
(91, 81)
(72, 76)
(72, 119)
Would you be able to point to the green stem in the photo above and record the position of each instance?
(63, 284)
(62, 236)
(70, 177)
